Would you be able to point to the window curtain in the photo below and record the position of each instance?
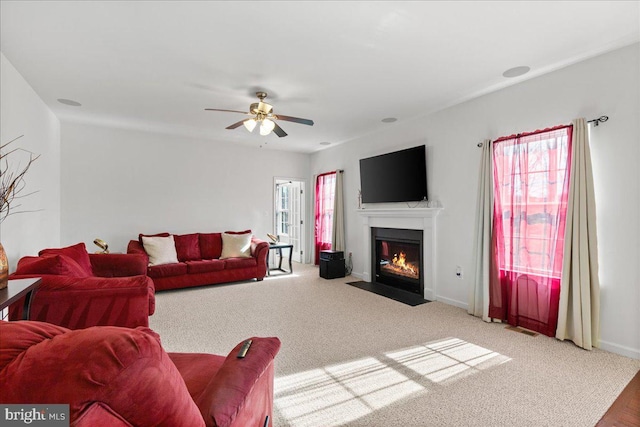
(579, 311)
(324, 205)
(337, 235)
(531, 187)
(479, 293)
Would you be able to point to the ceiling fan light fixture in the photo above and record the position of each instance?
(262, 113)
(250, 124)
(266, 127)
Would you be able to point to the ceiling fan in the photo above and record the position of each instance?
(263, 113)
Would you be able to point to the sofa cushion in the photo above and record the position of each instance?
(140, 236)
(161, 250)
(236, 245)
(205, 266)
(231, 263)
(60, 265)
(22, 335)
(122, 369)
(77, 252)
(187, 246)
(167, 270)
(210, 245)
(197, 369)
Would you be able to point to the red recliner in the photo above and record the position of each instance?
(79, 290)
(112, 376)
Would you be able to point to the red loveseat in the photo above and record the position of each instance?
(79, 290)
(122, 377)
(199, 261)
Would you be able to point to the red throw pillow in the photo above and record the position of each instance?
(59, 265)
(77, 252)
(187, 247)
(210, 245)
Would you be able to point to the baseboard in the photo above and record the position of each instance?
(357, 275)
(622, 350)
(453, 302)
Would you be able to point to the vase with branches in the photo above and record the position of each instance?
(12, 185)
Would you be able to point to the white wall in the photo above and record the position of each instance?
(22, 112)
(608, 84)
(117, 183)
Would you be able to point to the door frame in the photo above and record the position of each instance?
(303, 200)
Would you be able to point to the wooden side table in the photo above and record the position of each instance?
(279, 247)
(15, 290)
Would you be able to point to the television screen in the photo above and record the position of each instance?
(400, 176)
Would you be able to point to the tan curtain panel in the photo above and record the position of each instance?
(479, 293)
(579, 311)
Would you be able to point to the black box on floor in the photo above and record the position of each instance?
(332, 269)
(331, 255)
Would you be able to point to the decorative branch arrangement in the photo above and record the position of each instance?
(12, 181)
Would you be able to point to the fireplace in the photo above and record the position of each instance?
(422, 220)
(397, 258)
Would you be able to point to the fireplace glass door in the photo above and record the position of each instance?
(398, 259)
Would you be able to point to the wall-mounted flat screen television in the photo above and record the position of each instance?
(400, 176)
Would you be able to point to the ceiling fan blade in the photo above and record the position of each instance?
(235, 125)
(278, 130)
(295, 120)
(228, 111)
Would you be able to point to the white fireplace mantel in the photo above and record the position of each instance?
(406, 218)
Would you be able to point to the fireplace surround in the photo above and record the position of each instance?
(423, 219)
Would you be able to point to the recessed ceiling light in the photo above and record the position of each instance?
(389, 120)
(516, 71)
(69, 102)
(325, 143)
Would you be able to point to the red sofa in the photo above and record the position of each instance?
(122, 377)
(79, 290)
(199, 262)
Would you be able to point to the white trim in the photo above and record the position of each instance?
(633, 353)
(408, 218)
(453, 302)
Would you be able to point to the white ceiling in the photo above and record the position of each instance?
(155, 65)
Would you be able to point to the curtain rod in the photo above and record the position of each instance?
(599, 120)
(595, 122)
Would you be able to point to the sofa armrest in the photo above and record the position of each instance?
(78, 303)
(135, 247)
(260, 250)
(241, 392)
(118, 265)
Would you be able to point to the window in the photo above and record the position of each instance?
(531, 184)
(530, 175)
(325, 202)
(282, 210)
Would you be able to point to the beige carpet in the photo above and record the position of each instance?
(353, 358)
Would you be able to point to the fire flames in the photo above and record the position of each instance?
(400, 266)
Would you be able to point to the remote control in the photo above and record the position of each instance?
(243, 350)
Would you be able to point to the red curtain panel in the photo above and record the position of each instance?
(531, 184)
(325, 201)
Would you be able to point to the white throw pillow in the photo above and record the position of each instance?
(236, 246)
(161, 250)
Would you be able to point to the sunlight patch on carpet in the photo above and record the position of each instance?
(340, 393)
(447, 360)
(281, 276)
